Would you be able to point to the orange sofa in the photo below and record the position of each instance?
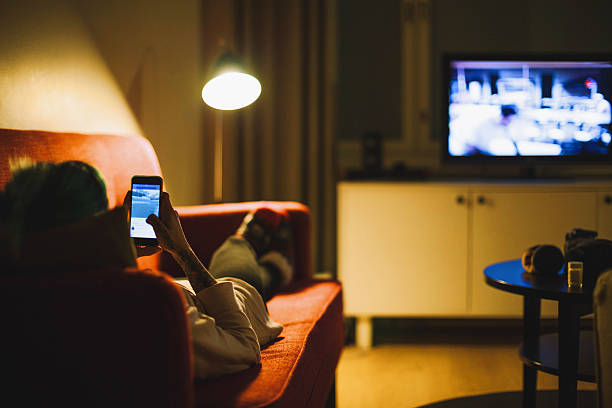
(84, 339)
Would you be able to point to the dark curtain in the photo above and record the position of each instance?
(281, 147)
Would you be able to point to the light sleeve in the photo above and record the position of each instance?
(223, 339)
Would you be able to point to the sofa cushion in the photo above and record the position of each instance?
(297, 369)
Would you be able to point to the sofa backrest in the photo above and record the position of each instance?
(118, 158)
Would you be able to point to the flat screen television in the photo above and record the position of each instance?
(531, 109)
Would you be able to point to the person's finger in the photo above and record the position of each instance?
(161, 231)
(158, 226)
(127, 200)
(165, 202)
(154, 221)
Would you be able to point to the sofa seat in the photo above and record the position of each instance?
(305, 354)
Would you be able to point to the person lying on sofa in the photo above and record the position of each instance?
(225, 305)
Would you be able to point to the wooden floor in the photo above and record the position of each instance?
(430, 365)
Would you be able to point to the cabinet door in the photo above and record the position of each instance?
(604, 214)
(402, 250)
(507, 223)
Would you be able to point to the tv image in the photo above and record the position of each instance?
(536, 108)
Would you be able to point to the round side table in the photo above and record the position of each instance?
(568, 353)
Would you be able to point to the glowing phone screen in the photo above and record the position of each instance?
(145, 201)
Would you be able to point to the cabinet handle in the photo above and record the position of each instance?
(481, 200)
(460, 200)
(608, 199)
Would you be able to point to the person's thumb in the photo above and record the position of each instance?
(154, 221)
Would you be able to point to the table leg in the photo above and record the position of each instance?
(569, 340)
(531, 343)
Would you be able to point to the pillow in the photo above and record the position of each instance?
(99, 242)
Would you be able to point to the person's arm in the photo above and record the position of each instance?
(223, 339)
(198, 275)
(222, 336)
(172, 240)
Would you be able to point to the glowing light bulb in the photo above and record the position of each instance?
(231, 90)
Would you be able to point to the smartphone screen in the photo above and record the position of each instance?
(146, 192)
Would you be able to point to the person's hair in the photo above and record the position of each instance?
(44, 195)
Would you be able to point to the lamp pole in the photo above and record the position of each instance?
(218, 157)
(229, 88)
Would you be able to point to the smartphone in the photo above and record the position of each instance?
(146, 192)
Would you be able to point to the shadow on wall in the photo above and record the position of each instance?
(53, 76)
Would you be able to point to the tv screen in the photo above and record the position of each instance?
(525, 107)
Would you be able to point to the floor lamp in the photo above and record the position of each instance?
(230, 87)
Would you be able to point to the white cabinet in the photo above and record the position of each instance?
(419, 249)
(506, 222)
(403, 251)
(604, 214)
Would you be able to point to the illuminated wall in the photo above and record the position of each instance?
(153, 48)
(105, 66)
(51, 75)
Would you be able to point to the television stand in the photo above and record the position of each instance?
(527, 172)
(431, 241)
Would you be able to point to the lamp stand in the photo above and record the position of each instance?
(218, 159)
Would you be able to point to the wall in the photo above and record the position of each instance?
(522, 26)
(52, 76)
(98, 66)
(456, 26)
(369, 57)
(154, 50)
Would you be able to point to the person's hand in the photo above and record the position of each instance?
(127, 201)
(141, 250)
(168, 228)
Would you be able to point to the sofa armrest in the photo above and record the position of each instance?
(96, 338)
(207, 226)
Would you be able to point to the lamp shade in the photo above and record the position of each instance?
(230, 85)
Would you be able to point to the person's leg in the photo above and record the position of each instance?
(236, 259)
(258, 253)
